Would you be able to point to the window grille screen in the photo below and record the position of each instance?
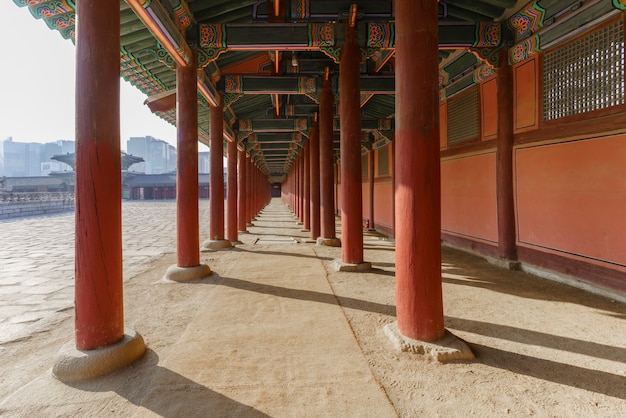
(383, 161)
(464, 117)
(364, 165)
(585, 75)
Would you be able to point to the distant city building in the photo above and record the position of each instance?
(31, 159)
(204, 162)
(159, 156)
(52, 167)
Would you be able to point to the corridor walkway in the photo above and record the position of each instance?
(275, 331)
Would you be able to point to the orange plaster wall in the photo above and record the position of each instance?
(570, 197)
(489, 109)
(526, 95)
(383, 207)
(468, 197)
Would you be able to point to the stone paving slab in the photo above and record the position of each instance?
(37, 261)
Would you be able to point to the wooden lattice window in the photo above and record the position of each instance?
(464, 117)
(383, 161)
(585, 75)
(364, 165)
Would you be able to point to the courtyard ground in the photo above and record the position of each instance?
(276, 331)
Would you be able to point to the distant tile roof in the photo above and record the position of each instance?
(148, 180)
(154, 180)
(17, 183)
(70, 159)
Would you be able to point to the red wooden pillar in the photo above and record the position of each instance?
(292, 190)
(392, 149)
(98, 265)
(255, 187)
(336, 186)
(299, 187)
(306, 181)
(255, 192)
(327, 166)
(187, 234)
(216, 177)
(314, 155)
(250, 192)
(231, 231)
(370, 170)
(301, 169)
(419, 305)
(99, 305)
(188, 266)
(242, 191)
(350, 113)
(217, 171)
(504, 161)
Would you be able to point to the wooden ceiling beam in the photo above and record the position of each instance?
(250, 84)
(296, 36)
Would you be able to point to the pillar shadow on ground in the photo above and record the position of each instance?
(309, 295)
(282, 254)
(483, 275)
(525, 336)
(167, 393)
(566, 374)
(382, 272)
(376, 247)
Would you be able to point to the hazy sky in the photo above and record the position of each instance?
(37, 68)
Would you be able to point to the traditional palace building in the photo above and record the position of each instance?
(496, 126)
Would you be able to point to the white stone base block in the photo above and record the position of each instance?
(74, 365)
(329, 242)
(352, 267)
(448, 348)
(216, 244)
(186, 274)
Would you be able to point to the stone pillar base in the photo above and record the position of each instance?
(329, 242)
(352, 267)
(74, 365)
(249, 224)
(305, 230)
(448, 348)
(504, 263)
(186, 274)
(307, 241)
(216, 244)
(236, 243)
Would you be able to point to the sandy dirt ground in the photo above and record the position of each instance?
(542, 348)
